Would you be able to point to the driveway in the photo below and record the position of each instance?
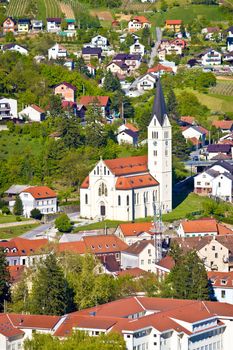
(154, 51)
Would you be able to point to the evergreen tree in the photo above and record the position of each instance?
(95, 135)
(50, 292)
(111, 82)
(172, 105)
(4, 280)
(189, 278)
(18, 206)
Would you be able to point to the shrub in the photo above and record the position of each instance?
(36, 214)
(5, 210)
(18, 218)
(63, 223)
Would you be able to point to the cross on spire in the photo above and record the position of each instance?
(159, 107)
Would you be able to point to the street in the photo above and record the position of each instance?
(154, 50)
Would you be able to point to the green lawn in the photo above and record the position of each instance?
(4, 219)
(99, 225)
(12, 145)
(11, 232)
(188, 12)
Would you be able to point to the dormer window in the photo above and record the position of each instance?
(223, 281)
(14, 250)
(99, 246)
(6, 250)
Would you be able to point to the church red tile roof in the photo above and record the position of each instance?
(139, 181)
(40, 192)
(85, 183)
(126, 166)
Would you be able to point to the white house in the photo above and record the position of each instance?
(15, 47)
(139, 254)
(230, 39)
(37, 25)
(24, 252)
(137, 48)
(33, 113)
(135, 231)
(211, 32)
(195, 132)
(201, 228)
(53, 25)
(39, 197)
(210, 57)
(137, 23)
(8, 108)
(57, 52)
(128, 188)
(100, 41)
(222, 187)
(222, 284)
(127, 136)
(146, 82)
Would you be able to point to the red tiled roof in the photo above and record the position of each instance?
(223, 124)
(136, 228)
(167, 262)
(137, 247)
(130, 165)
(86, 100)
(39, 192)
(24, 247)
(37, 108)
(139, 181)
(173, 21)
(7, 329)
(187, 119)
(202, 225)
(16, 272)
(85, 183)
(104, 244)
(141, 19)
(34, 321)
(221, 279)
(131, 127)
(223, 230)
(194, 141)
(74, 247)
(67, 85)
(134, 272)
(159, 67)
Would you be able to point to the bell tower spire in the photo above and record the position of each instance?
(160, 149)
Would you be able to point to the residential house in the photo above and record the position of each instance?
(91, 53)
(69, 64)
(37, 25)
(127, 137)
(103, 102)
(38, 197)
(136, 273)
(118, 68)
(222, 187)
(203, 182)
(91, 69)
(168, 48)
(132, 61)
(210, 33)
(134, 232)
(173, 25)
(179, 42)
(228, 57)
(8, 109)
(216, 149)
(24, 25)
(66, 90)
(164, 266)
(137, 23)
(195, 132)
(53, 25)
(187, 120)
(70, 30)
(102, 246)
(160, 69)
(226, 126)
(15, 328)
(9, 25)
(230, 39)
(222, 285)
(139, 254)
(32, 113)
(146, 82)
(14, 191)
(137, 48)
(57, 52)
(210, 57)
(202, 227)
(100, 41)
(77, 109)
(15, 47)
(24, 252)
(216, 252)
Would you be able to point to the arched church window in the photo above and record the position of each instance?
(103, 191)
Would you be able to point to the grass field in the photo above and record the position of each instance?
(11, 232)
(4, 219)
(48, 8)
(11, 145)
(189, 12)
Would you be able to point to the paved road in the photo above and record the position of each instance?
(154, 50)
(38, 231)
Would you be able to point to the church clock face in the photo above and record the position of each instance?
(155, 143)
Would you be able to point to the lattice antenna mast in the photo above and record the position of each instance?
(158, 229)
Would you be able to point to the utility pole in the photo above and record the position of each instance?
(158, 227)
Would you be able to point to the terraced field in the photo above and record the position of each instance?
(17, 8)
(224, 88)
(48, 8)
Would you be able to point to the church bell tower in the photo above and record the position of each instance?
(160, 149)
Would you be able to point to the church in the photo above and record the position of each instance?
(130, 188)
